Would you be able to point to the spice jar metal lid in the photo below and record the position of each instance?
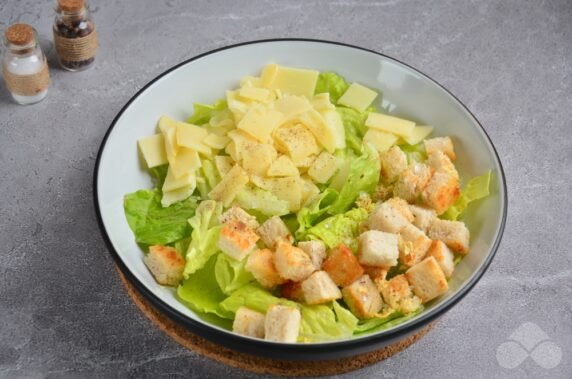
(71, 6)
(19, 34)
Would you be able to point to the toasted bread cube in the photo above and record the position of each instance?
(427, 279)
(444, 144)
(237, 240)
(165, 264)
(238, 214)
(397, 294)
(414, 246)
(316, 250)
(260, 264)
(413, 181)
(292, 291)
(272, 230)
(362, 297)
(378, 249)
(291, 262)
(454, 233)
(249, 323)
(441, 162)
(282, 324)
(422, 217)
(390, 216)
(393, 163)
(441, 192)
(342, 266)
(444, 256)
(376, 273)
(319, 288)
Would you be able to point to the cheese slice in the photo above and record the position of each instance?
(269, 74)
(395, 125)
(187, 161)
(335, 123)
(288, 189)
(223, 164)
(323, 168)
(251, 81)
(256, 159)
(291, 106)
(230, 185)
(283, 166)
(190, 136)
(216, 141)
(153, 150)
(171, 147)
(177, 195)
(309, 190)
(295, 81)
(172, 183)
(321, 102)
(358, 97)
(165, 123)
(241, 141)
(260, 122)
(316, 124)
(256, 94)
(382, 141)
(418, 134)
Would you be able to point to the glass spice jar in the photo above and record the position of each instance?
(75, 38)
(24, 66)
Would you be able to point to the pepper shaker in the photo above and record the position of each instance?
(75, 38)
(24, 66)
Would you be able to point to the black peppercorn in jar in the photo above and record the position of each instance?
(75, 38)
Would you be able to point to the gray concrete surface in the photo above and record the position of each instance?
(63, 311)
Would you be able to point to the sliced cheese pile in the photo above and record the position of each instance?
(384, 131)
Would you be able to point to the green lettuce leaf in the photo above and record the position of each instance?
(203, 113)
(315, 210)
(159, 174)
(477, 188)
(201, 293)
(252, 198)
(207, 177)
(363, 176)
(414, 153)
(354, 125)
(230, 274)
(253, 297)
(342, 228)
(154, 225)
(204, 238)
(373, 325)
(332, 83)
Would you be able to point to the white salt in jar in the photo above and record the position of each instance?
(24, 66)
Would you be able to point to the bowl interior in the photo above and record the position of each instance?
(407, 92)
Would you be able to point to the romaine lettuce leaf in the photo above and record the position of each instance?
(332, 83)
(363, 176)
(201, 293)
(230, 274)
(252, 198)
(253, 297)
(373, 325)
(207, 177)
(159, 174)
(342, 228)
(414, 153)
(203, 113)
(154, 225)
(477, 188)
(204, 238)
(315, 210)
(354, 125)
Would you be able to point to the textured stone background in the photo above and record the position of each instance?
(63, 311)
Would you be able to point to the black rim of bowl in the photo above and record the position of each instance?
(298, 351)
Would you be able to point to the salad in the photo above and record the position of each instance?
(297, 209)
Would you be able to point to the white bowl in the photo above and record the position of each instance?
(205, 79)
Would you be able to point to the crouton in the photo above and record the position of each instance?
(248, 323)
(375, 273)
(454, 233)
(441, 162)
(390, 216)
(292, 291)
(260, 264)
(273, 230)
(378, 249)
(414, 246)
(441, 192)
(362, 297)
(444, 144)
(316, 250)
(393, 163)
(291, 262)
(422, 217)
(238, 214)
(444, 256)
(342, 266)
(427, 279)
(237, 240)
(165, 264)
(282, 324)
(413, 181)
(319, 288)
(397, 294)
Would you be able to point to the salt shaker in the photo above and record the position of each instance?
(24, 66)
(75, 38)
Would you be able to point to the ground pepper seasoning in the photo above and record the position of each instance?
(75, 38)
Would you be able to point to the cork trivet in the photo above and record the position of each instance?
(258, 364)
(76, 49)
(27, 85)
